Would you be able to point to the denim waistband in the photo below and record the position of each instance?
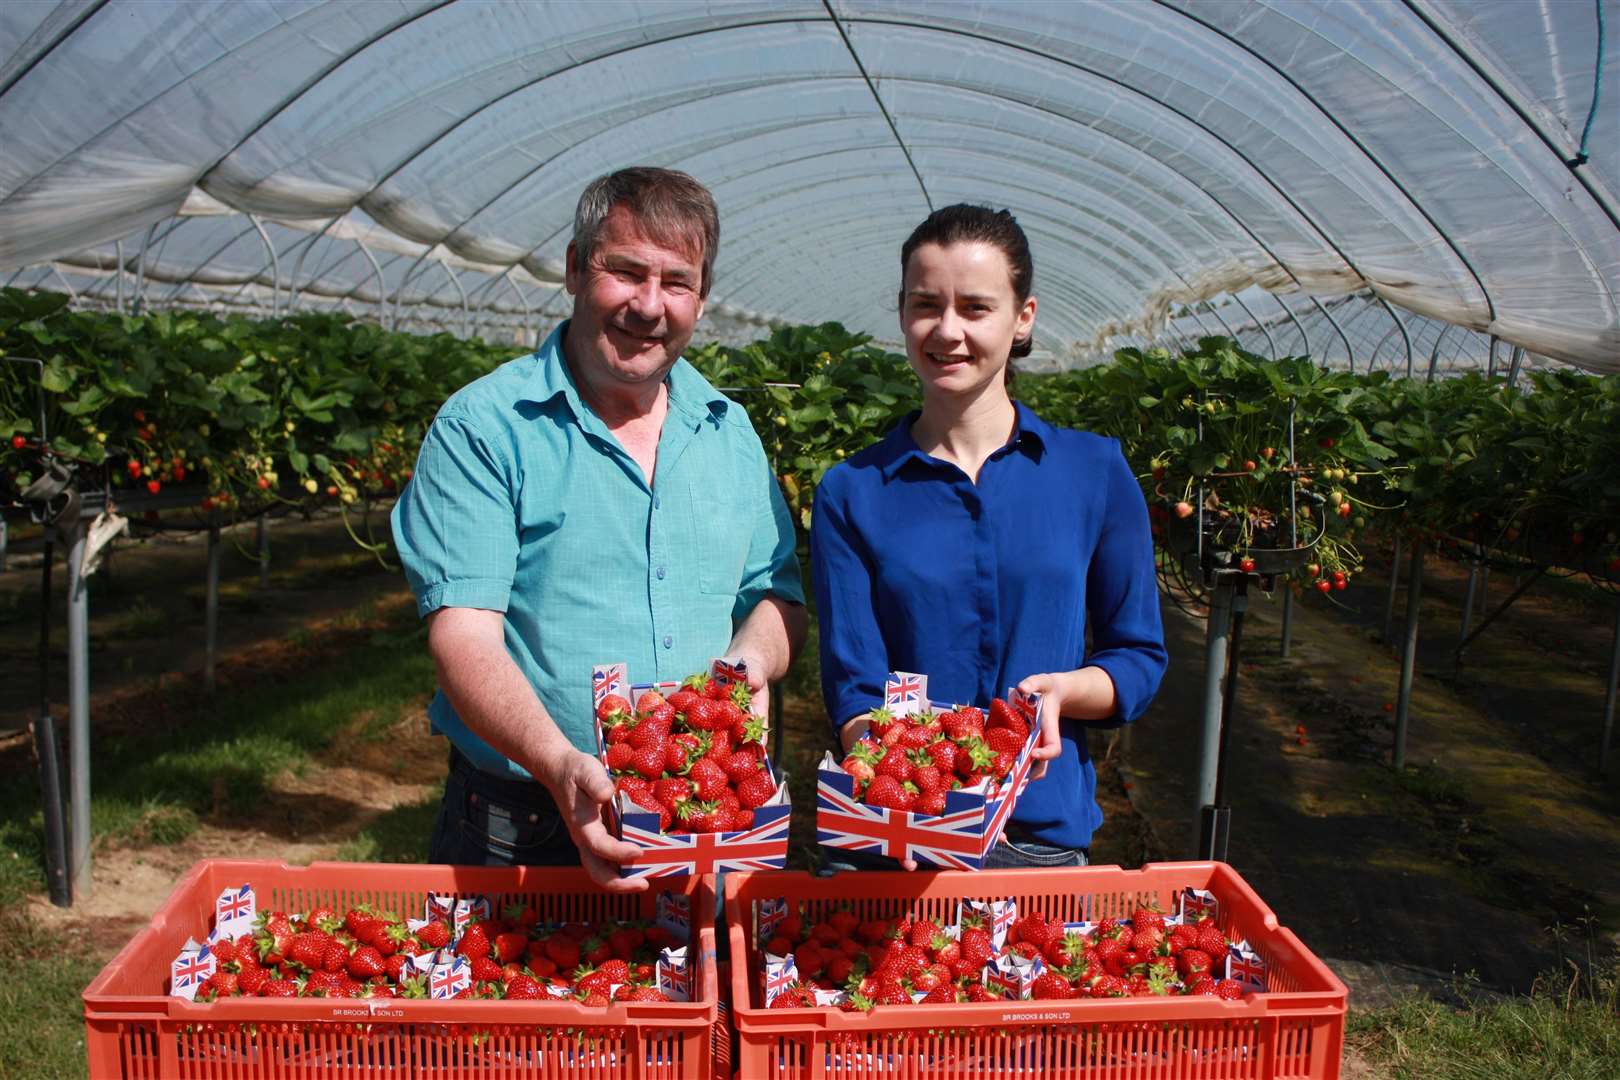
(502, 789)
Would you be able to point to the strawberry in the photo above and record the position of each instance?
(1050, 985)
(962, 723)
(1108, 986)
(896, 765)
(744, 762)
(708, 778)
(651, 731)
(672, 791)
(524, 988)
(562, 950)
(617, 756)
(886, 791)
(648, 761)
(638, 790)
(611, 705)
(944, 753)
(1211, 940)
(1229, 990)
(861, 759)
(649, 701)
(366, 963)
(1004, 739)
(474, 941)
(976, 943)
(980, 992)
(645, 993)
(1003, 715)
(509, 946)
(788, 998)
(335, 957)
(931, 803)
(756, 790)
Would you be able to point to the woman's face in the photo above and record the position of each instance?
(960, 316)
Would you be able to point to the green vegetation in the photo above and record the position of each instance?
(1567, 1029)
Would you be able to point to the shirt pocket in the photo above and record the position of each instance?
(722, 531)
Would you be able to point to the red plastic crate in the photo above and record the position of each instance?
(1294, 1031)
(135, 1031)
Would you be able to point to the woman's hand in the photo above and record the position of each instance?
(1084, 694)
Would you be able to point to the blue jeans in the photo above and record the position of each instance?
(1008, 854)
(488, 820)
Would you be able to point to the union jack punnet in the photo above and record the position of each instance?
(764, 847)
(903, 692)
(191, 968)
(1245, 965)
(1198, 902)
(675, 978)
(234, 904)
(953, 839)
(608, 679)
(450, 979)
(728, 670)
(779, 975)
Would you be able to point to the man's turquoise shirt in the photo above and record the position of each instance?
(523, 502)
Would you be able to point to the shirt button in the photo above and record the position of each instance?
(668, 641)
(660, 573)
(657, 502)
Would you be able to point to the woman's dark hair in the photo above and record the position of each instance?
(965, 223)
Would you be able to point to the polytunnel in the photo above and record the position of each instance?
(1282, 168)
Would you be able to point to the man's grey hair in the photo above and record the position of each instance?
(670, 207)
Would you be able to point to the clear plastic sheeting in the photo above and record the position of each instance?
(1457, 161)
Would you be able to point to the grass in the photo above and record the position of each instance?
(399, 835)
(41, 1018)
(1568, 1028)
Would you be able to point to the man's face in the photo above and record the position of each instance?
(636, 302)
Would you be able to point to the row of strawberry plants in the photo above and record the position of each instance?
(303, 410)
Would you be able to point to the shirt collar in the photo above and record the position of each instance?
(1030, 434)
(689, 391)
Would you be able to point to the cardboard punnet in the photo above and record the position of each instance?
(763, 846)
(958, 839)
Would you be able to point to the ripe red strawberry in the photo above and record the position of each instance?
(648, 761)
(744, 762)
(1193, 962)
(523, 988)
(645, 993)
(976, 946)
(962, 723)
(563, 950)
(672, 791)
(474, 941)
(251, 980)
(927, 776)
(617, 756)
(944, 754)
(895, 764)
(335, 956)
(1003, 715)
(887, 792)
(931, 803)
(1050, 985)
(708, 778)
(510, 945)
(790, 997)
(648, 701)
(612, 709)
(916, 737)
(1211, 940)
(1004, 739)
(279, 988)
(756, 790)
(1108, 986)
(978, 991)
(1229, 990)
(366, 963)
(1034, 929)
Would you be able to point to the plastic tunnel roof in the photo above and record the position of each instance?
(1459, 161)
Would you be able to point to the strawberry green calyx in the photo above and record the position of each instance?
(741, 696)
(978, 752)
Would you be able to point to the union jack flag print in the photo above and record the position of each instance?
(675, 974)
(608, 679)
(955, 840)
(769, 915)
(905, 693)
(1245, 965)
(473, 907)
(1199, 903)
(729, 670)
(780, 973)
(764, 847)
(190, 970)
(675, 914)
(441, 907)
(234, 904)
(450, 979)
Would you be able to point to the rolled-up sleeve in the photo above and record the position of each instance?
(853, 655)
(454, 523)
(772, 568)
(1122, 596)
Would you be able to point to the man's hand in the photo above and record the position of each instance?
(581, 788)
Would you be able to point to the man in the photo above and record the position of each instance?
(594, 502)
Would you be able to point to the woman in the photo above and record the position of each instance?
(976, 542)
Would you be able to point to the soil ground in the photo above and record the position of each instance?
(1500, 828)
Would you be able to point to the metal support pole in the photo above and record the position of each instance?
(118, 253)
(1271, 343)
(1287, 622)
(211, 605)
(1349, 353)
(264, 551)
(1403, 703)
(1490, 366)
(1609, 697)
(1215, 649)
(57, 881)
(1434, 354)
(1215, 816)
(78, 626)
(1468, 607)
(5, 538)
(1389, 593)
(1513, 365)
(1405, 337)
